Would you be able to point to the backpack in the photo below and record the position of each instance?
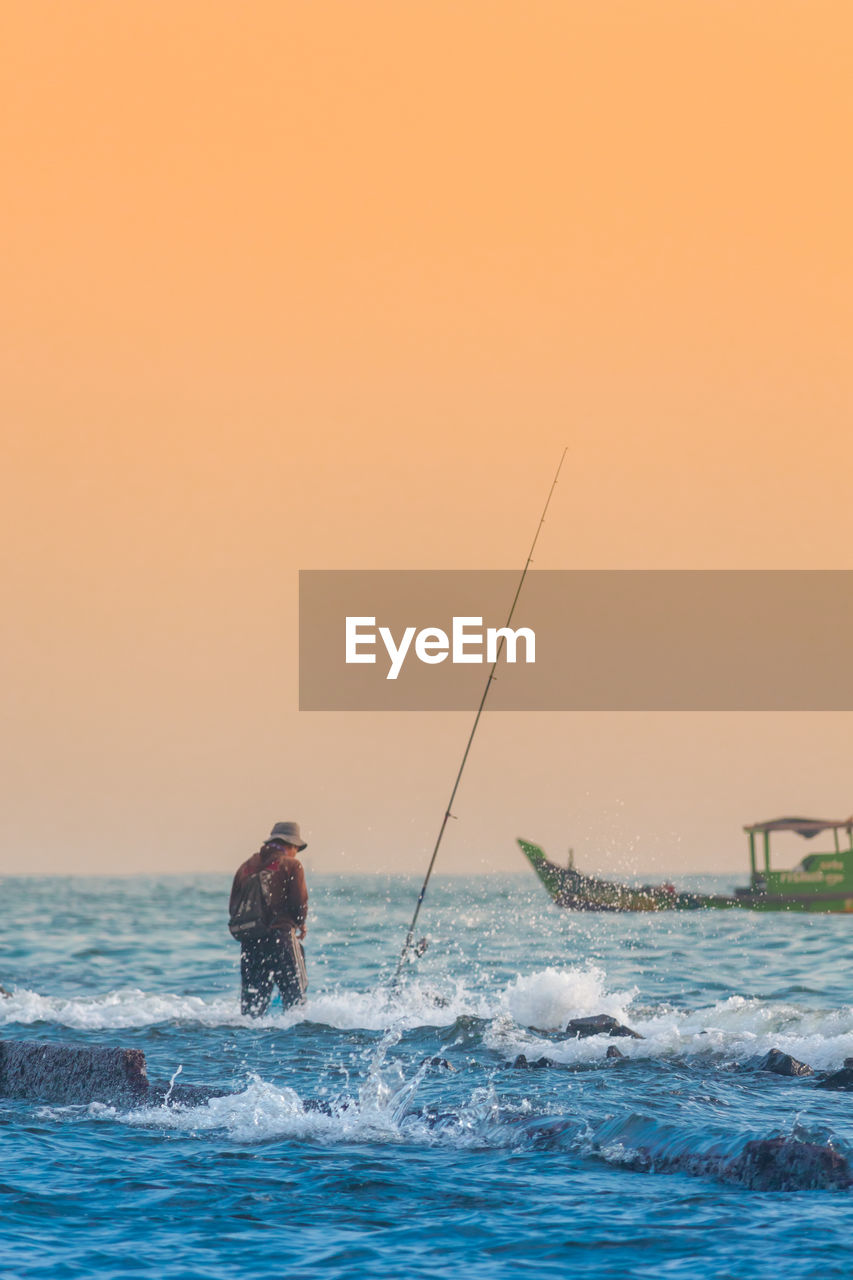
(252, 914)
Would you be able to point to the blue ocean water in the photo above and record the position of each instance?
(342, 1149)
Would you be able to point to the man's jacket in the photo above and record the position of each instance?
(288, 892)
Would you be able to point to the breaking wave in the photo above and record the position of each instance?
(526, 1016)
(384, 1110)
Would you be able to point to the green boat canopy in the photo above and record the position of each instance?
(807, 827)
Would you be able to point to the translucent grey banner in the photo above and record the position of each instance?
(586, 640)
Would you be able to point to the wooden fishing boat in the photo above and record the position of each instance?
(821, 882)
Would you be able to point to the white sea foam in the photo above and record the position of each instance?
(378, 1112)
(117, 1010)
(520, 1017)
(548, 999)
(414, 1005)
(735, 1029)
(263, 1112)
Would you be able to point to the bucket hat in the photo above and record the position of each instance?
(288, 833)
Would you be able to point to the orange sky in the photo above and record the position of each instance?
(330, 285)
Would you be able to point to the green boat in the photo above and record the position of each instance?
(821, 882)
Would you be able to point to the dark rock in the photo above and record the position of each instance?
(68, 1073)
(613, 1052)
(781, 1164)
(4, 992)
(600, 1025)
(440, 1062)
(842, 1080)
(764, 1164)
(523, 1065)
(782, 1064)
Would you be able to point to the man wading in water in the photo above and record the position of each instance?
(268, 908)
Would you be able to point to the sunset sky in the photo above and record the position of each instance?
(331, 285)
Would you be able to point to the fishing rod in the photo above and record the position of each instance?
(447, 813)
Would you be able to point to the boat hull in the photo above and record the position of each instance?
(577, 892)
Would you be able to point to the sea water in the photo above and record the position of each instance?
(388, 1132)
